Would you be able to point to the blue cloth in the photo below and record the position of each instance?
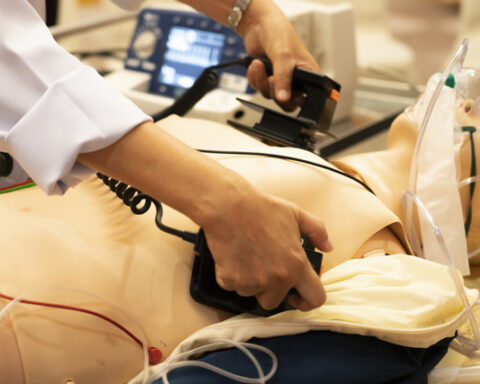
(322, 357)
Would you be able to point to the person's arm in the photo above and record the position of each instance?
(267, 32)
(254, 237)
(54, 110)
(53, 107)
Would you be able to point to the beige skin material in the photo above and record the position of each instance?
(387, 171)
(89, 240)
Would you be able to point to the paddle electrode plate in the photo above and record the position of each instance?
(6, 164)
(321, 95)
(205, 289)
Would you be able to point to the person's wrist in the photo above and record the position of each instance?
(236, 13)
(257, 9)
(228, 192)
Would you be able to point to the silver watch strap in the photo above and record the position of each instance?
(236, 13)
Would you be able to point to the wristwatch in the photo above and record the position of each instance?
(237, 12)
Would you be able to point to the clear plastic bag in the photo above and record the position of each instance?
(433, 174)
(441, 233)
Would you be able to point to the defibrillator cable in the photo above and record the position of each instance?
(285, 157)
(140, 202)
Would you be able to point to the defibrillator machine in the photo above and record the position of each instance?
(170, 48)
(174, 47)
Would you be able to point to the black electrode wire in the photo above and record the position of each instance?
(284, 157)
(244, 61)
(146, 200)
(117, 53)
(139, 203)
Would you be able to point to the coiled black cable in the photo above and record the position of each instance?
(124, 192)
(140, 203)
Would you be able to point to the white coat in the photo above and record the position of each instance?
(52, 107)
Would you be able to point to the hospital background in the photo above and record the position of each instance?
(389, 50)
(416, 38)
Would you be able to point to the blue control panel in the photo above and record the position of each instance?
(175, 47)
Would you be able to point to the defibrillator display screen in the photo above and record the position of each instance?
(174, 47)
(188, 53)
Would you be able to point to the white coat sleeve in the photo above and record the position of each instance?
(52, 107)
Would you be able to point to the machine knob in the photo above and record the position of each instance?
(144, 44)
(6, 164)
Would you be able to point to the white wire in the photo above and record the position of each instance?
(467, 181)
(410, 227)
(459, 347)
(474, 253)
(474, 344)
(174, 363)
(141, 334)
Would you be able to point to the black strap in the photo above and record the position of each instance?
(473, 172)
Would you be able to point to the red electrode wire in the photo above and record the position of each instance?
(17, 186)
(154, 354)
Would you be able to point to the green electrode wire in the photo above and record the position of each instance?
(473, 173)
(17, 187)
(473, 169)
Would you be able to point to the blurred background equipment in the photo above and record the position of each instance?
(379, 54)
(420, 34)
(52, 12)
(158, 63)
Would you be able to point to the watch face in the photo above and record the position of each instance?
(235, 17)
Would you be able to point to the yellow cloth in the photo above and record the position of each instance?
(399, 299)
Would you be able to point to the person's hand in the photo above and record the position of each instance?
(254, 238)
(268, 32)
(255, 243)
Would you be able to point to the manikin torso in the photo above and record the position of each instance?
(89, 241)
